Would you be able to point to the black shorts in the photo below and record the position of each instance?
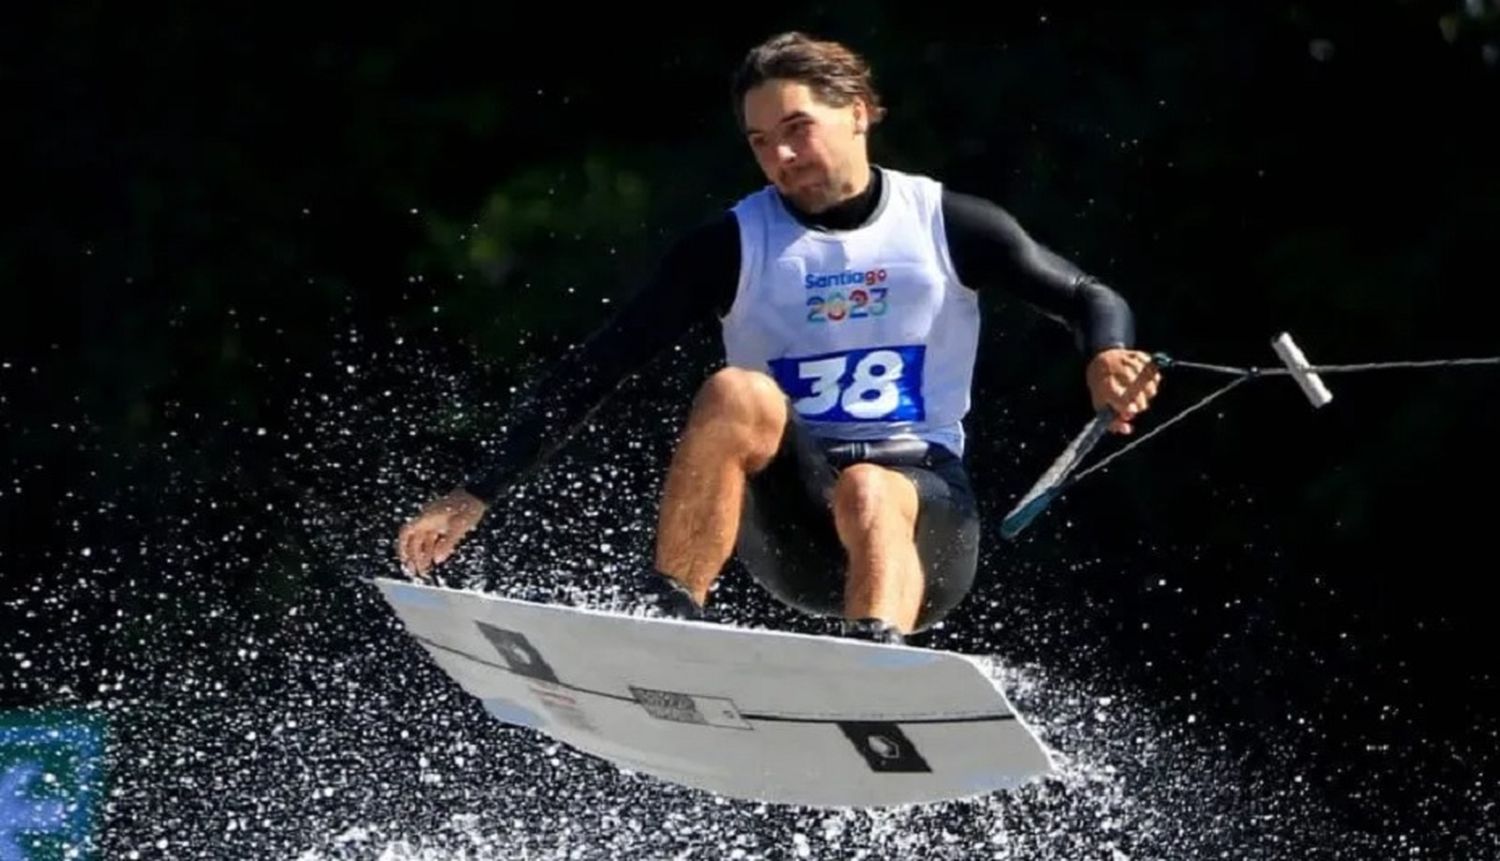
(789, 543)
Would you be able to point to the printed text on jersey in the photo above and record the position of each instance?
(877, 384)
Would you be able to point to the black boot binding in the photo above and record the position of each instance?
(669, 598)
(878, 630)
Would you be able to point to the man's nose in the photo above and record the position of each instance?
(785, 153)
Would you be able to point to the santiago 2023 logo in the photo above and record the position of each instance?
(829, 302)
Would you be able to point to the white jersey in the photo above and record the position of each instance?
(868, 331)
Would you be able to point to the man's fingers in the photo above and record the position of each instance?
(1147, 393)
(1128, 386)
(443, 547)
(424, 548)
(409, 550)
(430, 537)
(1144, 386)
(420, 541)
(411, 554)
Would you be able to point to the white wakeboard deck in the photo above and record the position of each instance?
(749, 714)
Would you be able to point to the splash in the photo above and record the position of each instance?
(262, 701)
(1128, 788)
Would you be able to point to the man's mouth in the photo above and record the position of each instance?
(800, 177)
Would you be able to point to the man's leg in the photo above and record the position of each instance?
(875, 511)
(733, 431)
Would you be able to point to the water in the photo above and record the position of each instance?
(260, 701)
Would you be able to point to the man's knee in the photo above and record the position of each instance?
(866, 495)
(745, 403)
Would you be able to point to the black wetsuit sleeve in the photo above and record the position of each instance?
(694, 281)
(991, 251)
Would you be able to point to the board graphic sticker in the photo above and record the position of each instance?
(518, 652)
(884, 746)
(745, 713)
(687, 708)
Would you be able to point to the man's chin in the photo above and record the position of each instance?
(808, 200)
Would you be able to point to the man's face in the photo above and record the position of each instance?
(813, 152)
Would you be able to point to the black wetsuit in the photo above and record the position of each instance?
(787, 538)
(695, 283)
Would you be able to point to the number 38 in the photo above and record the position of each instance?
(873, 391)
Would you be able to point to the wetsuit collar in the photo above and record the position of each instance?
(850, 214)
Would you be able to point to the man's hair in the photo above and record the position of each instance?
(835, 73)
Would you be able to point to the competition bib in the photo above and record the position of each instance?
(875, 384)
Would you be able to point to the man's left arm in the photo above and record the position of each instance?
(991, 251)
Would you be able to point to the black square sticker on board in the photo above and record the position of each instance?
(518, 653)
(884, 746)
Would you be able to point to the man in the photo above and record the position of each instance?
(828, 453)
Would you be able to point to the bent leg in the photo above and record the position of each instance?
(733, 431)
(875, 512)
(948, 535)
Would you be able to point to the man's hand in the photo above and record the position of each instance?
(1126, 381)
(429, 538)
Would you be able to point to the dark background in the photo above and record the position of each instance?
(270, 277)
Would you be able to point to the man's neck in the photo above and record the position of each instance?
(849, 213)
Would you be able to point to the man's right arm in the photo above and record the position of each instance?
(695, 279)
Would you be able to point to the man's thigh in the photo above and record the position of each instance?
(947, 534)
(789, 539)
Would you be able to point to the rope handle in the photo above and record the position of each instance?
(1060, 474)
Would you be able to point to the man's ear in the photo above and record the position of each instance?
(861, 116)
